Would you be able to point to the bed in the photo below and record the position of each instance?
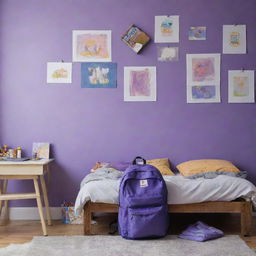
(218, 195)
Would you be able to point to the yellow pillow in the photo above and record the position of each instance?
(162, 164)
(193, 167)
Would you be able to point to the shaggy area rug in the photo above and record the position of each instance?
(117, 246)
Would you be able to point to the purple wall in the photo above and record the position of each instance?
(87, 125)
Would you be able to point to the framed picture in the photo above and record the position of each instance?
(203, 78)
(167, 53)
(197, 33)
(140, 83)
(135, 38)
(167, 29)
(41, 150)
(241, 86)
(59, 72)
(98, 75)
(92, 45)
(234, 39)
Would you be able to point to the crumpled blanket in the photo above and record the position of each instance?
(102, 174)
(212, 175)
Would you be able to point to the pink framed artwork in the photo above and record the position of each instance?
(140, 83)
(91, 45)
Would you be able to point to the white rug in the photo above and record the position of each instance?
(117, 246)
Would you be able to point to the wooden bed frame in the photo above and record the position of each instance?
(244, 208)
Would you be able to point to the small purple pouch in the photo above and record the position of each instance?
(200, 232)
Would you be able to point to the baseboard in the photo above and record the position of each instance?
(31, 213)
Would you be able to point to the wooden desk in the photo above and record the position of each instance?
(26, 170)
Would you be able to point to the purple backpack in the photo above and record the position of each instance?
(143, 209)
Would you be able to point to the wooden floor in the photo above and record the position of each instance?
(23, 231)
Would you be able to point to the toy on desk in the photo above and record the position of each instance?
(4, 151)
(7, 153)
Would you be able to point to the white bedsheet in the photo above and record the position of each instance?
(180, 190)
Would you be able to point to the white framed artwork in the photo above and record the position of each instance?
(140, 83)
(59, 72)
(203, 78)
(91, 45)
(167, 29)
(167, 53)
(241, 86)
(234, 39)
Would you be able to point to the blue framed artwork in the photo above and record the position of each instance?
(98, 75)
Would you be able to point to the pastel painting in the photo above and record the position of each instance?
(140, 83)
(98, 75)
(166, 53)
(241, 86)
(197, 33)
(234, 39)
(204, 92)
(203, 69)
(166, 27)
(90, 45)
(60, 73)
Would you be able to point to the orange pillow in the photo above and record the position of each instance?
(193, 167)
(162, 164)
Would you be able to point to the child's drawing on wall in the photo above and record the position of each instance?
(98, 75)
(91, 45)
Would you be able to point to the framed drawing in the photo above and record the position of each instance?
(92, 45)
(59, 72)
(241, 86)
(167, 53)
(140, 83)
(135, 38)
(41, 150)
(203, 78)
(98, 75)
(167, 29)
(197, 33)
(234, 39)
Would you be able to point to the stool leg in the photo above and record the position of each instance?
(39, 205)
(46, 202)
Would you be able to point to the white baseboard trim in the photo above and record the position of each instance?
(31, 213)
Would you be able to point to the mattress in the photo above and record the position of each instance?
(180, 190)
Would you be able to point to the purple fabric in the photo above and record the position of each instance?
(120, 166)
(143, 211)
(201, 232)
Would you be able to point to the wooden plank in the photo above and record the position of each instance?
(28, 162)
(40, 208)
(206, 207)
(102, 207)
(244, 208)
(17, 196)
(87, 218)
(18, 177)
(246, 219)
(4, 215)
(46, 201)
(216, 207)
(21, 169)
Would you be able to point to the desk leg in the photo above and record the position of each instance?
(1, 192)
(39, 205)
(46, 202)
(5, 218)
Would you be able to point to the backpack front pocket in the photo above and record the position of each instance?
(147, 222)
